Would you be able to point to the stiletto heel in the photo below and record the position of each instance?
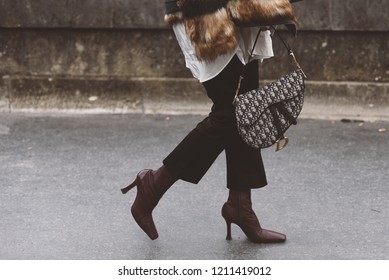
(129, 187)
(228, 231)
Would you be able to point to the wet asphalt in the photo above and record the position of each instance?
(60, 180)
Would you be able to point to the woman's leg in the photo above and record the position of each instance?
(245, 169)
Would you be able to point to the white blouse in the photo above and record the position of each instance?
(204, 71)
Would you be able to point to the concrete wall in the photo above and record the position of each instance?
(119, 55)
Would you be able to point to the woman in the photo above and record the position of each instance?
(215, 50)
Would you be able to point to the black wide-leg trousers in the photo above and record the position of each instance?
(191, 159)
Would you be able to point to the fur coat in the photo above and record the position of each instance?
(211, 25)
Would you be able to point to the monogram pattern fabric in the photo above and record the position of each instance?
(255, 122)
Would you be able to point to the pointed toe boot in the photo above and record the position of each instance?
(151, 186)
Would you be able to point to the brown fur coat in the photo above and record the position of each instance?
(211, 24)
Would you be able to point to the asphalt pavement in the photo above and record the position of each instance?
(60, 180)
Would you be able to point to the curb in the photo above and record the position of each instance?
(173, 96)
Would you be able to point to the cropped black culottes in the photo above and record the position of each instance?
(191, 159)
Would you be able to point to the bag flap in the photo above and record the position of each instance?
(251, 105)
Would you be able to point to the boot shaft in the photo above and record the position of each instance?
(240, 199)
(161, 180)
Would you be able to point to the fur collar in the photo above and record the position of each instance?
(211, 24)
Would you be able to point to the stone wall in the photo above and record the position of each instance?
(118, 56)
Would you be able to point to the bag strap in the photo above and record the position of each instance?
(287, 46)
(289, 51)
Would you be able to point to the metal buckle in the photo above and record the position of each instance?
(279, 147)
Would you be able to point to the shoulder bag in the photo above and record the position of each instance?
(264, 114)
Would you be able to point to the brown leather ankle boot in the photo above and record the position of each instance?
(238, 210)
(151, 186)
